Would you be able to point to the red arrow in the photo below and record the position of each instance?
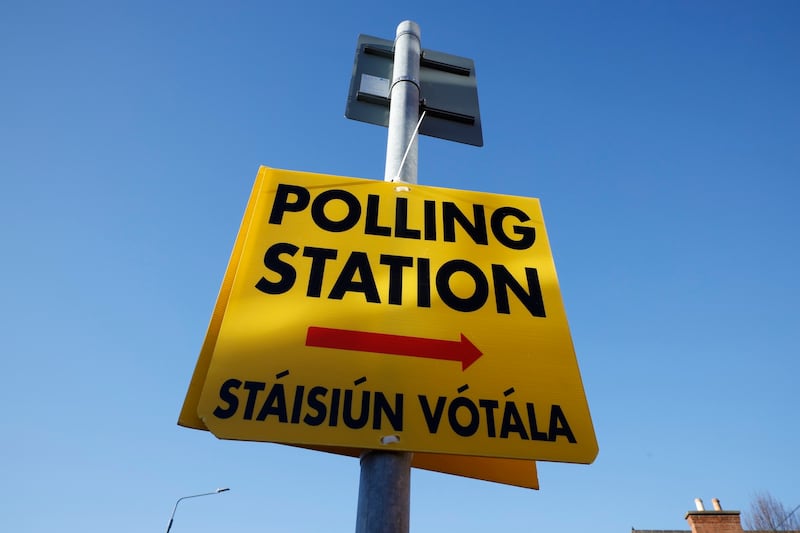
(462, 351)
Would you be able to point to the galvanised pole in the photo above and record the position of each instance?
(384, 490)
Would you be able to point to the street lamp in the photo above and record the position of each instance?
(192, 496)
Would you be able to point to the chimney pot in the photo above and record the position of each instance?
(699, 504)
(716, 504)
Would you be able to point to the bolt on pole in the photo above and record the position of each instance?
(385, 485)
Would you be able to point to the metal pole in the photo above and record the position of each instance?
(175, 508)
(385, 484)
(404, 105)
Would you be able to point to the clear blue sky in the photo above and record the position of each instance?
(663, 139)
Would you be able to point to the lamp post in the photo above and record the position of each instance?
(169, 525)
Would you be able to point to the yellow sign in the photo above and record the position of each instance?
(361, 314)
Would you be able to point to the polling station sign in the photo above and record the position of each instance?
(362, 314)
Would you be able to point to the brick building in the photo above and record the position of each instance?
(703, 521)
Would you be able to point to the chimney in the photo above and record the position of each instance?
(716, 521)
